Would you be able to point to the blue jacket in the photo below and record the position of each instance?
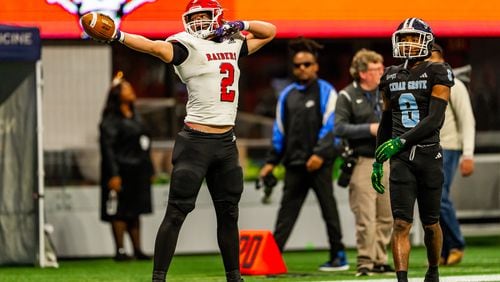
(304, 124)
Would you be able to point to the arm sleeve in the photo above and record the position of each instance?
(343, 126)
(465, 119)
(427, 125)
(180, 53)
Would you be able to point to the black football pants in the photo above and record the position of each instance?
(199, 156)
(417, 175)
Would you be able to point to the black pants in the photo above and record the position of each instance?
(199, 156)
(417, 175)
(298, 181)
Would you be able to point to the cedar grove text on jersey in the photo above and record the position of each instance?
(413, 84)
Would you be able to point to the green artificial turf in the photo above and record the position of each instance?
(481, 257)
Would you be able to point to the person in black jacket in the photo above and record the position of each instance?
(303, 141)
(126, 167)
(357, 114)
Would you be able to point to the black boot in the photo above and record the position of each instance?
(432, 274)
(234, 276)
(159, 276)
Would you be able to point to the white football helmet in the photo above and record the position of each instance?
(414, 49)
(205, 27)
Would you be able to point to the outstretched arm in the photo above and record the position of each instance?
(100, 31)
(259, 34)
(159, 48)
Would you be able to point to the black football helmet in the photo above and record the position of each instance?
(419, 47)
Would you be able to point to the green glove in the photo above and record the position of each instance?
(377, 173)
(388, 149)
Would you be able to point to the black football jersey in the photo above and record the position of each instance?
(409, 92)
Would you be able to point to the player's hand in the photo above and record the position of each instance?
(101, 27)
(117, 36)
(236, 26)
(377, 173)
(228, 29)
(102, 41)
(388, 149)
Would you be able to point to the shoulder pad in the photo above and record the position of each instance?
(442, 73)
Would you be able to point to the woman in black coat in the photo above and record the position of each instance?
(126, 167)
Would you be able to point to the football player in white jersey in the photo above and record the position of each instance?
(205, 57)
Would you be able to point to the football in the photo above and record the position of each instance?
(98, 26)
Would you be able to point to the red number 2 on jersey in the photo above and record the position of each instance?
(227, 70)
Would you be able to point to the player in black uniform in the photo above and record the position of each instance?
(415, 98)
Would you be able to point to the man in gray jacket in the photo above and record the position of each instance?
(357, 114)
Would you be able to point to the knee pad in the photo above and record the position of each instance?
(182, 206)
(184, 189)
(232, 183)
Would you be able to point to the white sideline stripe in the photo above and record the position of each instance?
(466, 278)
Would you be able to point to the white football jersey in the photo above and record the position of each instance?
(211, 75)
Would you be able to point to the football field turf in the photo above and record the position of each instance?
(481, 263)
